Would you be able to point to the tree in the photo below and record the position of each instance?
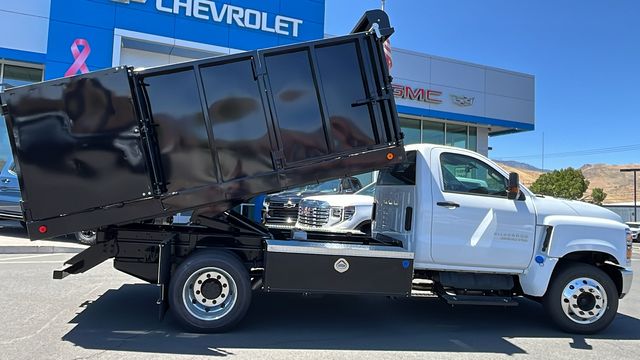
(598, 195)
(566, 183)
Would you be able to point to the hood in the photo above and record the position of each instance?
(344, 199)
(547, 205)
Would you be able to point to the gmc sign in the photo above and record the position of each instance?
(419, 94)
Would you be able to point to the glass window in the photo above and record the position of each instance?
(456, 136)
(346, 186)
(368, 190)
(356, 184)
(473, 139)
(367, 178)
(465, 174)
(14, 75)
(432, 133)
(411, 130)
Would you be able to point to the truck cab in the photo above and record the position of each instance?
(457, 211)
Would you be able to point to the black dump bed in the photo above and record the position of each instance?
(121, 145)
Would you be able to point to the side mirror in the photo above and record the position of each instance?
(513, 189)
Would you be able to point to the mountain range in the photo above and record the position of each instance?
(617, 185)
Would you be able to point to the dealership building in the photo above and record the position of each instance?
(440, 100)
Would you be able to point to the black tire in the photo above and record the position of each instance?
(555, 302)
(87, 237)
(202, 262)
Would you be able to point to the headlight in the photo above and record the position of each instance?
(348, 212)
(343, 213)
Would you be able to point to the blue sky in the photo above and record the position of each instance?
(585, 56)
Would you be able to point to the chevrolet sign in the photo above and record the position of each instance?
(229, 14)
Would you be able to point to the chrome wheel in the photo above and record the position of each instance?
(209, 293)
(584, 300)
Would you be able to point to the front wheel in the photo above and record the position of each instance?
(210, 291)
(581, 299)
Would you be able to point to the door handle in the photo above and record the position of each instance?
(448, 204)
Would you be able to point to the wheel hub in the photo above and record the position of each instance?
(211, 288)
(209, 293)
(584, 300)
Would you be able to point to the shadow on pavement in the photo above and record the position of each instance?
(126, 319)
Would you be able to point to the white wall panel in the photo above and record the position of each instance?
(39, 8)
(23, 32)
(141, 58)
(508, 108)
(410, 66)
(509, 84)
(477, 108)
(454, 74)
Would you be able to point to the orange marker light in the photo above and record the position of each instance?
(390, 156)
(42, 229)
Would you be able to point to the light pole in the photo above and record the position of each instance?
(635, 204)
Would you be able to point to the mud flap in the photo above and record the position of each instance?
(164, 276)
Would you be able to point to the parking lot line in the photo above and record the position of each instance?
(26, 257)
(30, 262)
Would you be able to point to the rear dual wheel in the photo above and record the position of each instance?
(210, 291)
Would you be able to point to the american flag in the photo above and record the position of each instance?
(387, 53)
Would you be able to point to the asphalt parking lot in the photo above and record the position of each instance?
(104, 314)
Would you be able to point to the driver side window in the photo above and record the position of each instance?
(465, 174)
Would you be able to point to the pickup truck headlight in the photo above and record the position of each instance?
(343, 213)
(348, 212)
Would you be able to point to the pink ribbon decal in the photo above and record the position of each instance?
(79, 57)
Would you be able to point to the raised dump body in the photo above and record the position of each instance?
(120, 145)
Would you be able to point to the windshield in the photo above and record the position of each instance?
(330, 186)
(368, 190)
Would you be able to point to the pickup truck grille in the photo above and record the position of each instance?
(282, 213)
(313, 213)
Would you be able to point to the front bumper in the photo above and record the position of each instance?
(627, 278)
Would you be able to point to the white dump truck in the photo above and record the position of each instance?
(130, 146)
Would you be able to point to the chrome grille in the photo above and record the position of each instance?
(282, 213)
(313, 213)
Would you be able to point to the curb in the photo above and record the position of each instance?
(39, 249)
